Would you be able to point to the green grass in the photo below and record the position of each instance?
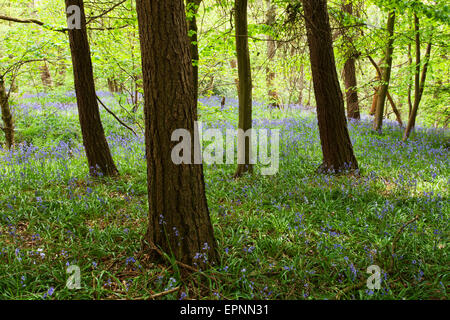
(295, 235)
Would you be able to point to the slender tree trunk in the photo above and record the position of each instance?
(271, 51)
(351, 94)
(373, 108)
(245, 88)
(336, 144)
(350, 89)
(409, 81)
(193, 29)
(8, 122)
(396, 111)
(391, 101)
(379, 71)
(378, 122)
(61, 69)
(308, 103)
(179, 222)
(301, 85)
(233, 65)
(46, 77)
(97, 150)
(418, 94)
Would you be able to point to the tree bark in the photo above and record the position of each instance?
(336, 144)
(8, 122)
(351, 94)
(179, 222)
(97, 150)
(381, 100)
(245, 86)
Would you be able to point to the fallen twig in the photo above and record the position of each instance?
(164, 293)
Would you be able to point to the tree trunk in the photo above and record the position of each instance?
(381, 100)
(97, 150)
(394, 108)
(61, 69)
(193, 29)
(391, 101)
(350, 89)
(379, 71)
(179, 222)
(373, 108)
(409, 81)
(336, 144)
(419, 91)
(46, 76)
(350, 81)
(245, 88)
(271, 50)
(8, 123)
(301, 85)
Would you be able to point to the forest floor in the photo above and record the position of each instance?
(294, 235)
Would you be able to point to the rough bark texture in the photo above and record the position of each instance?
(97, 150)
(351, 94)
(336, 144)
(245, 83)
(382, 94)
(8, 123)
(179, 222)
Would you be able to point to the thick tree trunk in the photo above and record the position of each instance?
(336, 144)
(381, 100)
(193, 29)
(97, 150)
(351, 94)
(8, 123)
(245, 88)
(179, 222)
